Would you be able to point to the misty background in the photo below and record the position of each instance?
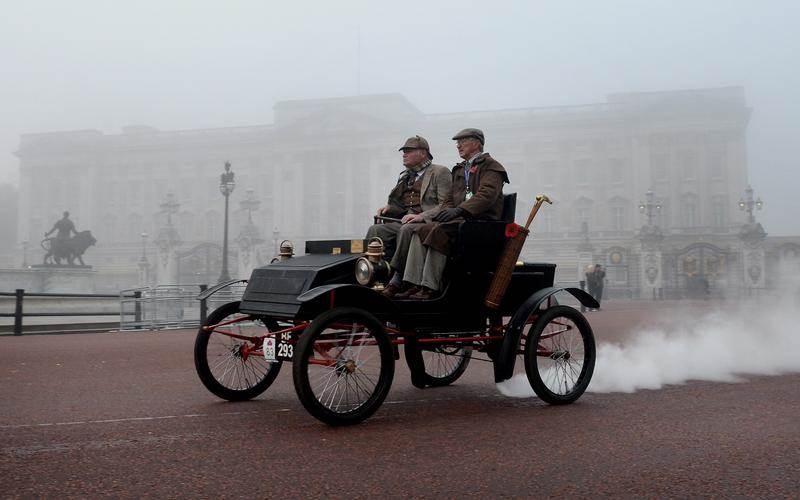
(203, 64)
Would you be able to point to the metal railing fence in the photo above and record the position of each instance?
(170, 306)
(19, 306)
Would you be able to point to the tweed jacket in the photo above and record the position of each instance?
(436, 185)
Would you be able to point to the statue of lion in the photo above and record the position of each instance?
(58, 249)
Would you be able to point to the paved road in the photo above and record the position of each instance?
(124, 415)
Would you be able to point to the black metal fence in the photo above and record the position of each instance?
(19, 306)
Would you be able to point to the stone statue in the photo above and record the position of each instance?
(64, 246)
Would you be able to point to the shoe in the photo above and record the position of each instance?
(390, 291)
(407, 293)
(424, 294)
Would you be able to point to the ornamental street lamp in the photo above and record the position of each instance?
(226, 185)
(649, 208)
(169, 206)
(747, 204)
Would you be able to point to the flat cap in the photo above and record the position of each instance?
(470, 132)
(417, 142)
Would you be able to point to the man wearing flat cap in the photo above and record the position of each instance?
(476, 194)
(420, 191)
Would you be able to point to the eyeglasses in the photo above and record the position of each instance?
(465, 140)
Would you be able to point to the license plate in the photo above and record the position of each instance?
(269, 349)
(278, 349)
(284, 349)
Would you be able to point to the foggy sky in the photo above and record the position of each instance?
(197, 64)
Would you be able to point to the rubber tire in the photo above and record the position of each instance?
(201, 360)
(443, 381)
(304, 348)
(531, 359)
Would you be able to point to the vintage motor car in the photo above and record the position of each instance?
(323, 313)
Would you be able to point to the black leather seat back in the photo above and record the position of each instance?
(509, 207)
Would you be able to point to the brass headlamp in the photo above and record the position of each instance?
(371, 269)
(285, 253)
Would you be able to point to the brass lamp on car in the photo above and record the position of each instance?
(371, 269)
(286, 251)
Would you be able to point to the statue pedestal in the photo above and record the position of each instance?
(49, 279)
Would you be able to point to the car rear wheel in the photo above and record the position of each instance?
(445, 364)
(560, 355)
(230, 367)
(343, 366)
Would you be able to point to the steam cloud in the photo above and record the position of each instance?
(756, 339)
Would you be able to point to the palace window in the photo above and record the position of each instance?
(548, 173)
(617, 218)
(583, 172)
(688, 164)
(583, 212)
(658, 167)
(616, 170)
(618, 212)
(690, 210)
(716, 165)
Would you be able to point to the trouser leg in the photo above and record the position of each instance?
(386, 232)
(433, 270)
(415, 261)
(400, 256)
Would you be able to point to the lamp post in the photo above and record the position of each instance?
(649, 207)
(143, 264)
(650, 237)
(747, 204)
(275, 234)
(226, 185)
(144, 248)
(25, 254)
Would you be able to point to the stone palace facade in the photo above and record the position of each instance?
(324, 166)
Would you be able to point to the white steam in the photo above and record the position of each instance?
(755, 339)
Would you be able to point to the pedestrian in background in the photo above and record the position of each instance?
(599, 275)
(596, 281)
